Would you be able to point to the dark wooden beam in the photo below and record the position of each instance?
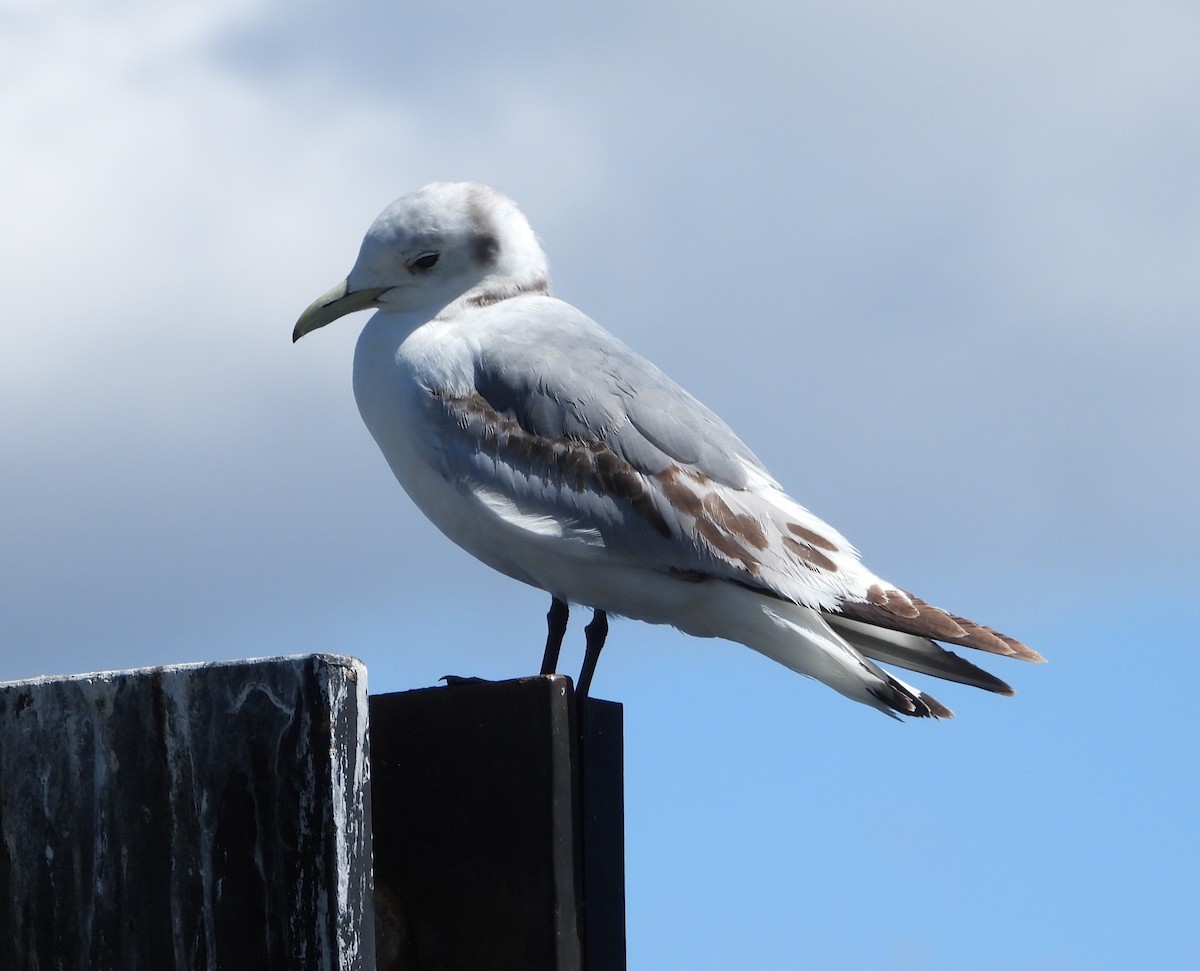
(498, 827)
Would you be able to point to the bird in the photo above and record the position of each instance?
(554, 453)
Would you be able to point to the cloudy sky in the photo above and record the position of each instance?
(936, 262)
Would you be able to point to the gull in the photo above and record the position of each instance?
(547, 448)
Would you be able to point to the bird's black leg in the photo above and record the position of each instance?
(595, 632)
(556, 629)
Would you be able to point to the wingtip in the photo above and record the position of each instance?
(936, 708)
(897, 610)
(914, 704)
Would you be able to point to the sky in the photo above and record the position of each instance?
(935, 262)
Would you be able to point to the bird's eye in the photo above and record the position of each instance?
(426, 261)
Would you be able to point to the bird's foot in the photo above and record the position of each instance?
(454, 679)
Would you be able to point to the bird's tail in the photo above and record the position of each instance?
(799, 638)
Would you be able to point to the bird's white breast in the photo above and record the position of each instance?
(396, 369)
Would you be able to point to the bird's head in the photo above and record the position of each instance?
(445, 242)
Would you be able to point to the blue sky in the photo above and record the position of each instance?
(936, 263)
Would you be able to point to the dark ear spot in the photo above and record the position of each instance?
(486, 248)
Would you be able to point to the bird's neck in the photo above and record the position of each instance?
(492, 290)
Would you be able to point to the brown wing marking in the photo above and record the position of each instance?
(897, 610)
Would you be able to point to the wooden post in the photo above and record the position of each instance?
(498, 828)
(602, 802)
(192, 817)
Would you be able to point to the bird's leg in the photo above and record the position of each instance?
(556, 629)
(595, 632)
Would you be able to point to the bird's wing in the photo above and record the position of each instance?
(563, 424)
(899, 611)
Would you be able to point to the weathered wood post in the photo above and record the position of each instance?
(192, 817)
